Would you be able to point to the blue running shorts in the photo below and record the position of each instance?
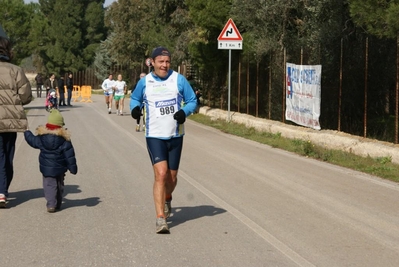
(169, 150)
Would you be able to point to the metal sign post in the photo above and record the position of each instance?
(230, 38)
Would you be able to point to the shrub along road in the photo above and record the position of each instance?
(237, 203)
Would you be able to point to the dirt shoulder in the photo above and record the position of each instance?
(327, 138)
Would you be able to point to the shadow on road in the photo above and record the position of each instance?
(61, 109)
(19, 197)
(88, 202)
(183, 214)
(35, 107)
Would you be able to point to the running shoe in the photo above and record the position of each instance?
(3, 201)
(138, 128)
(161, 226)
(109, 111)
(167, 208)
(121, 113)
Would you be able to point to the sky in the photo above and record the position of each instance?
(106, 3)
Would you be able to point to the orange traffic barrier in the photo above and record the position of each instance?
(86, 93)
(75, 93)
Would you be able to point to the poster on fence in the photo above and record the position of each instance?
(303, 95)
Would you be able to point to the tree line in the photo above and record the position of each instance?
(74, 35)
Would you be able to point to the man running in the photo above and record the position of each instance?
(162, 92)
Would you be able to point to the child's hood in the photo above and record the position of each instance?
(52, 139)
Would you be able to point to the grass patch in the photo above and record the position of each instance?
(97, 92)
(381, 167)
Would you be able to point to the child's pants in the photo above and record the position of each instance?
(53, 190)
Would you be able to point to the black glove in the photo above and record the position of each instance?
(136, 112)
(180, 116)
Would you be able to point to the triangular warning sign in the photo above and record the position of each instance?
(230, 32)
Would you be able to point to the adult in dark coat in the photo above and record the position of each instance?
(39, 84)
(69, 85)
(61, 91)
(51, 83)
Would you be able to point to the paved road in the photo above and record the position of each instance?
(238, 203)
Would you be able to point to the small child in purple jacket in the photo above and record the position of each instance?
(56, 157)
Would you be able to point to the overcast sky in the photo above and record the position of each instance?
(106, 3)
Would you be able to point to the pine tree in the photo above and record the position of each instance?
(74, 30)
(379, 18)
(15, 17)
(103, 62)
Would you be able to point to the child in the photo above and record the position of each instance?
(56, 157)
(51, 101)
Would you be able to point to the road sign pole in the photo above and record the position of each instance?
(230, 38)
(229, 89)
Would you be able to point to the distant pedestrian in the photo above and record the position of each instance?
(61, 90)
(15, 91)
(51, 83)
(69, 85)
(198, 95)
(56, 157)
(39, 84)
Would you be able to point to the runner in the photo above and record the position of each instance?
(120, 88)
(142, 75)
(162, 92)
(108, 87)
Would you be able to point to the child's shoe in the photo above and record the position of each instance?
(50, 210)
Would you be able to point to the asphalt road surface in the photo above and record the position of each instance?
(237, 203)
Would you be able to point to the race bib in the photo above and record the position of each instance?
(165, 107)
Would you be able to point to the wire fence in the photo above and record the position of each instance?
(359, 90)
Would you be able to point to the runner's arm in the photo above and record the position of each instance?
(104, 85)
(189, 97)
(136, 98)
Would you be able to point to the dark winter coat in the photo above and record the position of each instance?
(39, 79)
(51, 84)
(57, 154)
(61, 85)
(69, 83)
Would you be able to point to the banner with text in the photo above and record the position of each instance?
(303, 95)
